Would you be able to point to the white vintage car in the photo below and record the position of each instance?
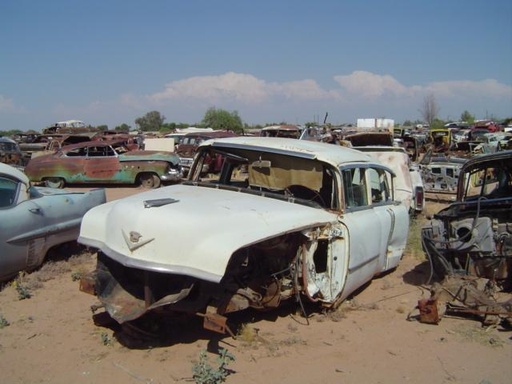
(409, 187)
(408, 183)
(34, 220)
(284, 218)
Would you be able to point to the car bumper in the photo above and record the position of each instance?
(172, 175)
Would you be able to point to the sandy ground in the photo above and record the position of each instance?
(53, 337)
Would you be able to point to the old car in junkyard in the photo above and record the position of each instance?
(471, 239)
(44, 144)
(10, 152)
(408, 182)
(189, 143)
(35, 220)
(105, 162)
(440, 173)
(284, 219)
(281, 130)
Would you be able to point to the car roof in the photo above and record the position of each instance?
(212, 134)
(7, 140)
(478, 160)
(381, 148)
(93, 143)
(13, 173)
(328, 153)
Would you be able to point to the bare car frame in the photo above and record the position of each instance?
(470, 241)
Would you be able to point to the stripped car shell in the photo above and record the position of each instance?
(473, 236)
(109, 162)
(440, 174)
(34, 220)
(283, 219)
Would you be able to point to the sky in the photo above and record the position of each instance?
(108, 62)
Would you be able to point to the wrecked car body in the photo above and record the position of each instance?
(473, 236)
(106, 162)
(189, 143)
(440, 174)
(284, 219)
(33, 220)
(409, 187)
(10, 152)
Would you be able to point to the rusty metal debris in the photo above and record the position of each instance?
(464, 296)
(215, 322)
(428, 311)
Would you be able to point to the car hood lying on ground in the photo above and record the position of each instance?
(191, 230)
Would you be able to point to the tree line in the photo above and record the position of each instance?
(217, 118)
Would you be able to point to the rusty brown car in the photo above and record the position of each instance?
(104, 162)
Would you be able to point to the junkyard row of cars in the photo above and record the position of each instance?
(258, 221)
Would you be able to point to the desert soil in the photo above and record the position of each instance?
(53, 337)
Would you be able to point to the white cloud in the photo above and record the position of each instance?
(238, 87)
(488, 88)
(8, 106)
(302, 90)
(241, 87)
(364, 84)
(359, 94)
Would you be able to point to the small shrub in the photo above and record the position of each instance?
(3, 322)
(105, 339)
(51, 270)
(204, 373)
(75, 276)
(337, 315)
(293, 340)
(247, 334)
(22, 288)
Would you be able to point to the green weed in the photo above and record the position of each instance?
(106, 339)
(3, 322)
(22, 288)
(204, 373)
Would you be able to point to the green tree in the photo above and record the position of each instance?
(437, 123)
(11, 132)
(123, 128)
(102, 127)
(168, 127)
(222, 119)
(151, 121)
(467, 117)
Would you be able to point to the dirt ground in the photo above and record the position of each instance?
(53, 337)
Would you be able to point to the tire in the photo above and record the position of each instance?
(149, 180)
(54, 182)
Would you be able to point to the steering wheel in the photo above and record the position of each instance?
(305, 193)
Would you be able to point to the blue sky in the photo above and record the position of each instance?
(111, 61)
